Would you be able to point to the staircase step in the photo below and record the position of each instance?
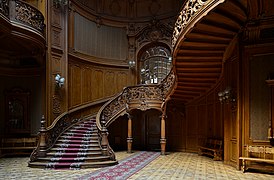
(80, 130)
(77, 141)
(73, 159)
(91, 145)
(72, 166)
(74, 154)
(78, 138)
(75, 149)
(90, 134)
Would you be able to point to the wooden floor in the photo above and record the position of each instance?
(175, 165)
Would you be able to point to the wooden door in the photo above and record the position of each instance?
(152, 130)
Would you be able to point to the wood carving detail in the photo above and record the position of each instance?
(4, 7)
(186, 15)
(56, 104)
(26, 14)
(141, 97)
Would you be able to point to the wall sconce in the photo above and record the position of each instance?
(60, 3)
(226, 95)
(131, 64)
(60, 81)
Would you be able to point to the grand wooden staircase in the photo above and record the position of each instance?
(203, 37)
(78, 147)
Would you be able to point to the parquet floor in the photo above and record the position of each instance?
(176, 165)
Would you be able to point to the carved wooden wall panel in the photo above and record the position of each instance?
(234, 151)
(230, 110)
(88, 83)
(176, 128)
(218, 129)
(122, 80)
(192, 128)
(55, 63)
(210, 120)
(57, 28)
(86, 89)
(202, 125)
(204, 119)
(75, 77)
(98, 84)
(109, 78)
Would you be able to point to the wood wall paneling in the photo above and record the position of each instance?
(210, 120)
(192, 128)
(55, 64)
(56, 37)
(218, 121)
(234, 151)
(86, 85)
(98, 84)
(202, 123)
(109, 79)
(260, 67)
(76, 85)
(89, 83)
(121, 80)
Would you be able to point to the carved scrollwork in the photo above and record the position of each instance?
(28, 15)
(53, 133)
(168, 83)
(188, 12)
(142, 95)
(4, 7)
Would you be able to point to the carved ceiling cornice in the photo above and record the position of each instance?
(122, 13)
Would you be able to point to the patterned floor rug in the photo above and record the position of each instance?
(125, 168)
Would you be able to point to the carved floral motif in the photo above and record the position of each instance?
(186, 15)
(4, 8)
(142, 94)
(26, 14)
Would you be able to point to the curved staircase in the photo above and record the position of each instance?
(76, 148)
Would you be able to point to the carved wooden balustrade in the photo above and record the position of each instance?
(141, 97)
(20, 13)
(191, 13)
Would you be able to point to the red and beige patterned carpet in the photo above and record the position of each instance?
(176, 165)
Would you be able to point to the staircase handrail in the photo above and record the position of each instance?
(192, 11)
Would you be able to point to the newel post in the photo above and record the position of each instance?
(104, 142)
(42, 142)
(129, 134)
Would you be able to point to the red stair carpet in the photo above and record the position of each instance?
(124, 169)
(75, 147)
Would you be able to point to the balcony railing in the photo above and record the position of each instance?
(191, 13)
(20, 13)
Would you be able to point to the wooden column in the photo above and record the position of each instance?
(129, 134)
(163, 134)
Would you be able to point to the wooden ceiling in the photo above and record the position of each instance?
(198, 58)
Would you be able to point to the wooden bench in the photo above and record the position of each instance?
(212, 147)
(258, 157)
(17, 146)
